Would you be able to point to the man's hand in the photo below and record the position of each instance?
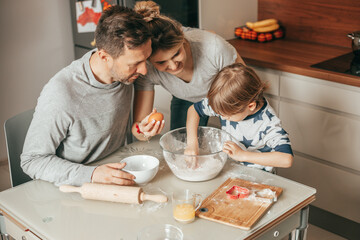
(234, 151)
(151, 129)
(111, 173)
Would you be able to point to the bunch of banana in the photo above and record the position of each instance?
(267, 25)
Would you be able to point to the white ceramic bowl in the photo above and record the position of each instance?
(143, 167)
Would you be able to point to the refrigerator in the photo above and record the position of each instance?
(83, 34)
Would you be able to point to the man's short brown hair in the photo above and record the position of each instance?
(119, 26)
(233, 88)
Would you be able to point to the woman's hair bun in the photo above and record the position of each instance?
(148, 9)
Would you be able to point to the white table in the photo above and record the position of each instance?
(40, 210)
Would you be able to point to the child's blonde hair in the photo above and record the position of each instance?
(166, 32)
(233, 88)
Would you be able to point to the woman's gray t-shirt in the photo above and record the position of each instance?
(210, 54)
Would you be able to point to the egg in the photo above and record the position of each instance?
(156, 116)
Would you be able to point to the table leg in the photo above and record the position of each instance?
(2, 225)
(3, 234)
(301, 231)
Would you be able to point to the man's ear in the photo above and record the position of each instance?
(104, 56)
(252, 106)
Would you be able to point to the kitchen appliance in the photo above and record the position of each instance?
(113, 193)
(355, 44)
(83, 40)
(348, 63)
(184, 11)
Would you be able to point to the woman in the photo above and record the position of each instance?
(184, 61)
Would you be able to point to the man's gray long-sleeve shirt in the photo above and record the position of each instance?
(77, 120)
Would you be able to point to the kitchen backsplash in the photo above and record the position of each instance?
(322, 21)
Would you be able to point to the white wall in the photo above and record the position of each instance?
(35, 43)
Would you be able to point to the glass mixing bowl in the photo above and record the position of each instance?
(210, 160)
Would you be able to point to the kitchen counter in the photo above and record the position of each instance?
(294, 57)
(39, 207)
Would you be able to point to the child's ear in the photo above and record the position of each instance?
(252, 106)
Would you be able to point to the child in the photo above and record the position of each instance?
(236, 95)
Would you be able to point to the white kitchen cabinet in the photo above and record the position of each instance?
(18, 232)
(326, 94)
(280, 231)
(323, 121)
(274, 103)
(337, 190)
(272, 77)
(322, 134)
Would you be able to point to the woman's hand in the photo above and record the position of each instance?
(150, 129)
(111, 173)
(234, 151)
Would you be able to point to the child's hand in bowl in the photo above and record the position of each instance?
(190, 156)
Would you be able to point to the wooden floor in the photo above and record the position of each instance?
(314, 233)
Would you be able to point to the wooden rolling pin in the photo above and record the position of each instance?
(113, 193)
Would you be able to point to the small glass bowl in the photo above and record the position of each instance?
(160, 231)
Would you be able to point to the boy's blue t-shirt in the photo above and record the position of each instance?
(260, 132)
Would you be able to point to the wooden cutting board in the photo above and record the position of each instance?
(242, 212)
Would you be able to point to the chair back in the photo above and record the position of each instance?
(15, 133)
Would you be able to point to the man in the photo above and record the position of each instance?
(82, 112)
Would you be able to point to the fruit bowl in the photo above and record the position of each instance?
(209, 162)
